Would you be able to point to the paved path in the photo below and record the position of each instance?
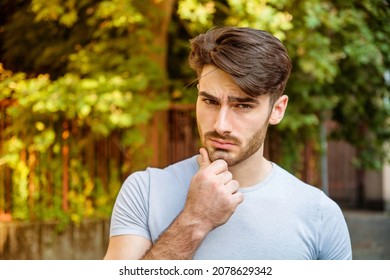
(370, 234)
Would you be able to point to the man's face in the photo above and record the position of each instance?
(232, 125)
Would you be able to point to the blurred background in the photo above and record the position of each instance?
(92, 90)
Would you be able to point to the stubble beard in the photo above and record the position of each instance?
(253, 145)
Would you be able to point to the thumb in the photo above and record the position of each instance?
(205, 160)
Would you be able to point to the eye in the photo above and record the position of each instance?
(244, 106)
(210, 101)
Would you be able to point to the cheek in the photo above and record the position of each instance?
(200, 120)
(252, 129)
(203, 119)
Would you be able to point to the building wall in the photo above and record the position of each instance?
(386, 186)
(373, 192)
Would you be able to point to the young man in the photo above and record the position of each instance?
(229, 202)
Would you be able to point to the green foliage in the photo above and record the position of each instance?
(80, 72)
(86, 76)
(340, 52)
(198, 14)
(101, 106)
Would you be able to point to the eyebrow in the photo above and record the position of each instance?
(233, 99)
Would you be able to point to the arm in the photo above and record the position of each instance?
(211, 200)
(179, 241)
(335, 242)
(127, 247)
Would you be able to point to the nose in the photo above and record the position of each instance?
(223, 124)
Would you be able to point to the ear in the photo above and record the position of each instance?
(278, 110)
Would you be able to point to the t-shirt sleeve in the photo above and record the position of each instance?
(334, 239)
(130, 212)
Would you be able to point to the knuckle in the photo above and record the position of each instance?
(222, 163)
(228, 175)
(234, 184)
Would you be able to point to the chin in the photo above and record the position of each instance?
(224, 155)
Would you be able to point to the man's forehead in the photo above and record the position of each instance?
(214, 81)
(207, 70)
(220, 85)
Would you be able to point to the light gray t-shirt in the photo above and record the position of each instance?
(280, 218)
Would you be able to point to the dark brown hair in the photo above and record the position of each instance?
(256, 60)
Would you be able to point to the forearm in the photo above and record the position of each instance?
(211, 200)
(180, 241)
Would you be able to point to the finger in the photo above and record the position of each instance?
(238, 197)
(232, 186)
(204, 158)
(226, 177)
(216, 167)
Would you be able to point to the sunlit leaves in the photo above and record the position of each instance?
(260, 15)
(92, 63)
(340, 50)
(62, 11)
(199, 14)
(117, 13)
(82, 71)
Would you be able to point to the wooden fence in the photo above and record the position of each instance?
(170, 136)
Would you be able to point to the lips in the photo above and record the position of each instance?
(221, 143)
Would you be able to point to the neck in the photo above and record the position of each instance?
(252, 170)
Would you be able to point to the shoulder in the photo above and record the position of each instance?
(143, 196)
(294, 184)
(187, 165)
(334, 241)
(324, 214)
(305, 195)
(180, 172)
